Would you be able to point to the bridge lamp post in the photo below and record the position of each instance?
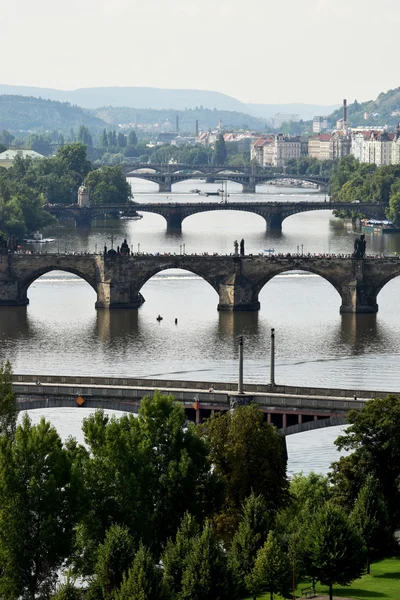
(180, 250)
(272, 365)
(138, 248)
(240, 378)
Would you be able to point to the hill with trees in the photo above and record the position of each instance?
(26, 113)
(385, 110)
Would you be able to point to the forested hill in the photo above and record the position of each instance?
(206, 117)
(26, 113)
(385, 110)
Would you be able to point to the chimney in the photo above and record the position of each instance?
(197, 128)
(177, 124)
(344, 112)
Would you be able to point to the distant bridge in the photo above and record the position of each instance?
(174, 213)
(249, 177)
(292, 409)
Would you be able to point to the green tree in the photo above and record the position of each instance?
(108, 185)
(371, 518)
(206, 576)
(73, 158)
(254, 526)
(250, 456)
(114, 557)
(37, 506)
(6, 138)
(337, 548)
(121, 140)
(374, 439)
(272, 570)
(143, 581)
(60, 140)
(175, 555)
(68, 591)
(393, 212)
(8, 402)
(220, 151)
(84, 136)
(132, 138)
(104, 139)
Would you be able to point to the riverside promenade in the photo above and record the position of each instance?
(292, 409)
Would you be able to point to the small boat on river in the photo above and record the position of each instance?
(37, 238)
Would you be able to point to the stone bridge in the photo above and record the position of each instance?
(174, 213)
(273, 212)
(249, 177)
(118, 280)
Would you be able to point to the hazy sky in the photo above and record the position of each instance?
(268, 51)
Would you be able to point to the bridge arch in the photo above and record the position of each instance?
(37, 273)
(280, 269)
(388, 279)
(203, 274)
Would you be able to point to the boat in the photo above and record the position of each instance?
(37, 238)
(376, 226)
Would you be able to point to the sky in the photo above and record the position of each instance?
(264, 51)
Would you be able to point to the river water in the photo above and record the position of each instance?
(60, 332)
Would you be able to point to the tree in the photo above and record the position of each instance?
(272, 570)
(121, 140)
(250, 456)
(250, 536)
(374, 439)
(37, 510)
(68, 591)
(220, 152)
(8, 402)
(73, 157)
(337, 548)
(60, 140)
(206, 576)
(143, 581)
(104, 139)
(108, 185)
(393, 213)
(371, 518)
(84, 136)
(6, 138)
(132, 138)
(175, 555)
(114, 557)
(144, 473)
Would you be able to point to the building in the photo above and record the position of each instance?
(276, 150)
(376, 147)
(8, 156)
(320, 147)
(319, 124)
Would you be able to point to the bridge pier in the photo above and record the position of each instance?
(117, 294)
(11, 294)
(275, 222)
(238, 293)
(174, 221)
(165, 185)
(358, 296)
(249, 186)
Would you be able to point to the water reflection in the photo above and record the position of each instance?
(360, 333)
(114, 325)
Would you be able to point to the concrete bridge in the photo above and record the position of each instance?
(249, 177)
(291, 409)
(118, 280)
(174, 213)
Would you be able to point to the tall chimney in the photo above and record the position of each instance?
(344, 112)
(197, 128)
(177, 124)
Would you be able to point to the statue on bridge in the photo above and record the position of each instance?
(236, 247)
(359, 247)
(124, 250)
(242, 247)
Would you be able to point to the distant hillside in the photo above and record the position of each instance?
(157, 98)
(306, 112)
(187, 118)
(385, 110)
(23, 113)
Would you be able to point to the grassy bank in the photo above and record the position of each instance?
(382, 584)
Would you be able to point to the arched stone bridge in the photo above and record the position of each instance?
(273, 212)
(174, 213)
(167, 175)
(237, 280)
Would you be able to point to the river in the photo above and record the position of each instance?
(60, 332)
